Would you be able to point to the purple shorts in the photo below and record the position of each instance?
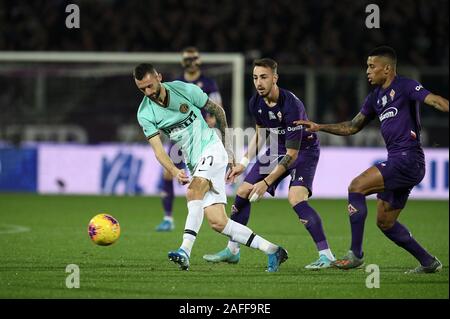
(302, 171)
(401, 172)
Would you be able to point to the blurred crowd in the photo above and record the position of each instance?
(317, 33)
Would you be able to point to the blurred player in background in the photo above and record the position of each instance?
(174, 108)
(191, 63)
(296, 154)
(395, 101)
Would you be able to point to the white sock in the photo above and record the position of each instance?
(233, 247)
(327, 252)
(244, 235)
(193, 223)
(169, 218)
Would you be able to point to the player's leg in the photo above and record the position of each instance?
(298, 198)
(240, 212)
(194, 195)
(167, 198)
(219, 221)
(387, 216)
(369, 182)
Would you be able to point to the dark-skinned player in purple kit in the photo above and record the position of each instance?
(295, 153)
(395, 101)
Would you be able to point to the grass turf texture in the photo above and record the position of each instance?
(33, 263)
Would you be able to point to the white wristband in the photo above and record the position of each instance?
(244, 161)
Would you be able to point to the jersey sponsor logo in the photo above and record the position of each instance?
(388, 113)
(294, 128)
(419, 87)
(184, 108)
(180, 125)
(277, 130)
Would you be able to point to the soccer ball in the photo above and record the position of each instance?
(104, 229)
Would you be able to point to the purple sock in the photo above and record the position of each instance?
(400, 235)
(313, 224)
(167, 197)
(240, 211)
(357, 210)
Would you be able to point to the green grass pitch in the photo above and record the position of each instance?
(33, 262)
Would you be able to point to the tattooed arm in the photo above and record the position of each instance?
(343, 128)
(221, 120)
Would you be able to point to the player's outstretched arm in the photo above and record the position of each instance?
(343, 128)
(438, 102)
(261, 187)
(165, 160)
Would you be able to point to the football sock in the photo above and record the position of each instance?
(193, 223)
(313, 224)
(400, 235)
(244, 235)
(327, 252)
(357, 210)
(167, 197)
(240, 212)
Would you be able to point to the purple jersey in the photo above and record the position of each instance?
(397, 108)
(279, 120)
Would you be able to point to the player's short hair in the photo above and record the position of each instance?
(142, 69)
(190, 49)
(267, 63)
(385, 51)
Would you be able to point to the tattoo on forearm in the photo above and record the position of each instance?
(219, 113)
(221, 120)
(346, 128)
(286, 161)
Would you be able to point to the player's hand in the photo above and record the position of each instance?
(181, 176)
(235, 172)
(309, 126)
(258, 191)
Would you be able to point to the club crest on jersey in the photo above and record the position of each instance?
(392, 94)
(280, 116)
(184, 108)
(272, 116)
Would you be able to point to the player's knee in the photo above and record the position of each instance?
(356, 186)
(244, 190)
(297, 195)
(217, 224)
(384, 224)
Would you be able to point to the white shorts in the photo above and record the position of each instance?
(212, 166)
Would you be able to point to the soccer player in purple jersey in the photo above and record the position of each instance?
(191, 64)
(296, 154)
(395, 101)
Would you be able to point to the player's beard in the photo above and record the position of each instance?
(155, 96)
